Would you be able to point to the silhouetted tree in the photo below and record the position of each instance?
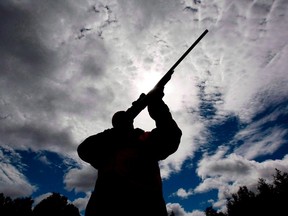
(5, 204)
(17, 207)
(241, 202)
(271, 199)
(171, 213)
(212, 212)
(55, 205)
(23, 206)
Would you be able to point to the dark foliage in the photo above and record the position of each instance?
(270, 199)
(19, 206)
(171, 213)
(212, 212)
(54, 205)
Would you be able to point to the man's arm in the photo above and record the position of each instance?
(94, 150)
(167, 134)
(86, 148)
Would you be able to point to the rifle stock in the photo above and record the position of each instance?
(141, 104)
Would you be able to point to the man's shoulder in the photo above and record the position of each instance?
(107, 132)
(113, 131)
(139, 131)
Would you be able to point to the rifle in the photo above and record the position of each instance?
(142, 102)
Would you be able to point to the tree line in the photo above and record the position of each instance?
(54, 205)
(269, 199)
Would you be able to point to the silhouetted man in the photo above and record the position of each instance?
(129, 181)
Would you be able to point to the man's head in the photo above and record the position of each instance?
(121, 120)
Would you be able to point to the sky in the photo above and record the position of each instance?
(68, 66)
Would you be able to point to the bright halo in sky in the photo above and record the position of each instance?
(145, 82)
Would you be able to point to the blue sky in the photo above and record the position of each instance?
(68, 66)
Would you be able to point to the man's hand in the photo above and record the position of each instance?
(153, 98)
(156, 94)
(156, 107)
(139, 99)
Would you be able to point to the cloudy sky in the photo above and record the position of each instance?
(67, 66)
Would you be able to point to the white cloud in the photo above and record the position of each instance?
(81, 202)
(178, 210)
(80, 179)
(226, 173)
(41, 197)
(182, 193)
(44, 159)
(237, 62)
(13, 182)
(261, 144)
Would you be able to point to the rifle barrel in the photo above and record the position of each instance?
(190, 48)
(166, 77)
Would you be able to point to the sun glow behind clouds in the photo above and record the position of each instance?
(143, 84)
(146, 81)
